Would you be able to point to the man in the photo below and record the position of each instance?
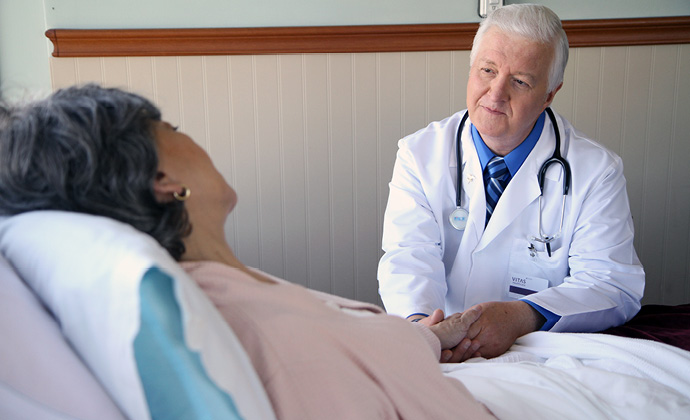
(509, 251)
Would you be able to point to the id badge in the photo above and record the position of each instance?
(520, 285)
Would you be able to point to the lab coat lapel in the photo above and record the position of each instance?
(522, 190)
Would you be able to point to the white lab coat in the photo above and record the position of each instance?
(595, 279)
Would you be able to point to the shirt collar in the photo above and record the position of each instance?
(517, 156)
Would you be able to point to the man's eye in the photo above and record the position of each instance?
(521, 83)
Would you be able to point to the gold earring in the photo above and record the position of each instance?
(186, 192)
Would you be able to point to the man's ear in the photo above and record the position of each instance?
(164, 187)
(551, 95)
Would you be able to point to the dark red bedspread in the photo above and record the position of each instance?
(667, 324)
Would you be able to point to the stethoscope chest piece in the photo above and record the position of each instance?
(458, 218)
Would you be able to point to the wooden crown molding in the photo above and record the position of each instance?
(343, 39)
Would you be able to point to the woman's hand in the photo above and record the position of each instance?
(453, 332)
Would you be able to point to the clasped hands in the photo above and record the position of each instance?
(484, 330)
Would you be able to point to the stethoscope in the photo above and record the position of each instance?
(458, 218)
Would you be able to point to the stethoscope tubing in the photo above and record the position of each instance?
(556, 158)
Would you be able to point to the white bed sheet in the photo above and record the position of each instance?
(581, 376)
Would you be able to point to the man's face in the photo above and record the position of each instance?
(507, 88)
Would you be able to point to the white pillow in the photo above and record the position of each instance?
(87, 270)
(36, 383)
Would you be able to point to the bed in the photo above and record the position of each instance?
(76, 309)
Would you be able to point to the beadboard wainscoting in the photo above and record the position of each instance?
(309, 140)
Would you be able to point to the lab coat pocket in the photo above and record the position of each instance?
(531, 269)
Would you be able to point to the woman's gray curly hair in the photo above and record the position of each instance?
(92, 150)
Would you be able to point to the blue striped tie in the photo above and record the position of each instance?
(496, 177)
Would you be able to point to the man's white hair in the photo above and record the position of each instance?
(534, 22)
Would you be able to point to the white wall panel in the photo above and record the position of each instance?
(318, 172)
(156, 78)
(611, 97)
(389, 102)
(143, 77)
(439, 80)
(586, 63)
(658, 193)
(219, 116)
(294, 174)
(341, 155)
(308, 141)
(415, 93)
(268, 163)
(635, 122)
(459, 72)
(246, 216)
(115, 71)
(676, 233)
(366, 142)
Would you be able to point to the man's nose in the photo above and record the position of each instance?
(499, 89)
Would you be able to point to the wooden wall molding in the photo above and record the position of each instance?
(343, 39)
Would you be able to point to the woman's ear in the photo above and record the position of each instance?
(164, 188)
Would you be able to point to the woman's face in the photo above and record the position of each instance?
(181, 160)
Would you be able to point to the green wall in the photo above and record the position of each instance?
(24, 49)
(24, 66)
(237, 13)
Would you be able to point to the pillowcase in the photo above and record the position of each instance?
(88, 271)
(34, 383)
(174, 379)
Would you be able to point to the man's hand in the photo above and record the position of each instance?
(499, 325)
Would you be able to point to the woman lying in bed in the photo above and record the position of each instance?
(108, 152)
